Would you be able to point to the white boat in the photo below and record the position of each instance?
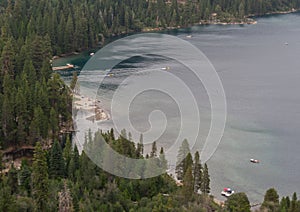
(189, 36)
(165, 68)
(92, 54)
(227, 192)
(254, 160)
(286, 43)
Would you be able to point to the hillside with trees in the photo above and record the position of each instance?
(35, 109)
(79, 24)
(61, 179)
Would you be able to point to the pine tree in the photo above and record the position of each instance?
(197, 172)
(129, 136)
(183, 163)
(30, 72)
(7, 201)
(38, 127)
(65, 200)
(25, 177)
(188, 185)
(205, 187)
(294, 204)
(8, 123)
(271, 200)
(140, 147)
(53, 123)
(1, 159)
(153, 150)
(8, 120)
(69, 33)
(123, 134)
(40, 182)
(238, 203)
(13, 179)
(283, 205)
(163, 160)
(74, 164)
(67, 153)
(46, 70)
(7, 59)
(56, 162)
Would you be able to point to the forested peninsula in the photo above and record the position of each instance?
(40, 169)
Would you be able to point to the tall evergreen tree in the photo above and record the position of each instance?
(271, 200)
(188, 185)
(205, 186)
(25, 177)
(238, 203)
(163, 160)
(67, 153)
(140, 146)
(197, 172)
(56, 162)
(53, 123)
(65, 200)
(182, 164)
(7, 59)
(40, 182)
(12, 180)
(295, 205)
(153, 150)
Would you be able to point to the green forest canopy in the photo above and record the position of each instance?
(80, 24)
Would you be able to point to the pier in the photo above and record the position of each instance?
(61, 68)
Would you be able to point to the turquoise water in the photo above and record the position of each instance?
(260, 75)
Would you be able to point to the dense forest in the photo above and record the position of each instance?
(80, 24)
(35, 109)
(33, 31)
(61, 179)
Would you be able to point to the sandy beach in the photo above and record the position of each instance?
(92, 106)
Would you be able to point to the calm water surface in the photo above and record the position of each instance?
(260, 75)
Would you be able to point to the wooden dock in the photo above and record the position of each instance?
(61, 68)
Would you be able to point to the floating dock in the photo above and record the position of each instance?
(60, 68)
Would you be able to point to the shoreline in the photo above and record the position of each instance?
(292, 10)
(94, 107)
(248, 20)
(258, 16)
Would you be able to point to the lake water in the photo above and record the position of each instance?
(260, 76)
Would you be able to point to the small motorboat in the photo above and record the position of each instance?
(92, 54)
(189, 36)
(165, 68)
(227, 192)
(254, 160)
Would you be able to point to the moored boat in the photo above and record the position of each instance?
(254, 160)
(227, 192)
